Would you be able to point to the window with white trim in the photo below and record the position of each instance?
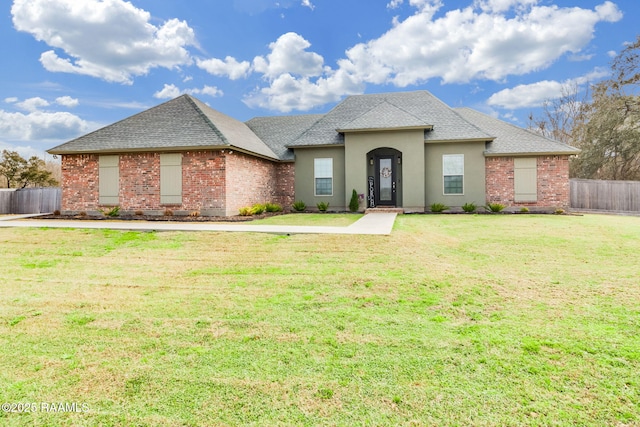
(323, 176)
(453, 173)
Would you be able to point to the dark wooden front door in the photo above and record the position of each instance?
(385, 180)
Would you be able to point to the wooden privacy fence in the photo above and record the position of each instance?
(30, 200)
(613, 196)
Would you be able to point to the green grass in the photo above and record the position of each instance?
(325, 219)
(452, 320)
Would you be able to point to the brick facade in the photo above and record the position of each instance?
(552, 188)
(214, 183)
(79, 182)
(285, 184)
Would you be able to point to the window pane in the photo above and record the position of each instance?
(453, 164)
(453, 184)
(324, 186)
(323, 168)
(323, 173)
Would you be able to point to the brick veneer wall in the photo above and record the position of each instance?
(203, 182)
(250, 180)
(79, 182)
(285, 184)
(213, 182)
(139, 181)
(553, 181)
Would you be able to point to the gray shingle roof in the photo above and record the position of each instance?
(180, 124)
(187, 123)
(385, 116)
(511, 139)
(419, 108)
(279, 131)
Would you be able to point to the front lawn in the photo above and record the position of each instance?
(314, 219)
(451, 320)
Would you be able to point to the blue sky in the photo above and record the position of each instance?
(73, 66)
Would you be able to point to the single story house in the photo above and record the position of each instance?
(404, 150)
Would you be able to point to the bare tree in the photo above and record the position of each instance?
(604, 125)
(561, 115)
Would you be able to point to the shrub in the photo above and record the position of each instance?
(194, 214)
(82, 213)
(559, 211)
(354, 203)
(495, 207)
(112, 213)
(273, 207)
(469, 207)
(323, 206)
(439, 207)
(168, 212)
(246, 211)
(299, 206)
(524, 209)
(56, 212)
(258, 208)
(138, 213)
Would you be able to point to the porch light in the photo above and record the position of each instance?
(371, 161)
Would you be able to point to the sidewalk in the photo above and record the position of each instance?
(373, 223)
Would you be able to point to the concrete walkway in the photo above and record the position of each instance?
(373, 223)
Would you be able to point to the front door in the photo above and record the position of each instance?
(386, 181)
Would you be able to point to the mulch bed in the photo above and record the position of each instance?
(176, 218)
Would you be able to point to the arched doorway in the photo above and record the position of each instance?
(384, 172)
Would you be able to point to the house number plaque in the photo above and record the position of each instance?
(372, 198)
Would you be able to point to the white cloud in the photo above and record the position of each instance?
(298, 79)
(230, 67)
(526, 96)
(67, 101)
(467, 44)
(289, 56)
(307, 3)
(500, 6)
(11, 100)
(32, 104)
(122, 42)
(287, 93)
(170, 91)
(207, 90)
(40, 126)
(612, 54)
(534, 95)
(489, 40)
(394, 4)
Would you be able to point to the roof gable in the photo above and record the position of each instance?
(385, 116)
(180, 124)
(398, 109)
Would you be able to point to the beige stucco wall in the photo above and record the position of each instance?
(474, 173)
(305, 183)
(409, 142)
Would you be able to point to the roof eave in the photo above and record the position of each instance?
(532, 153)
(163, 150)
(386, 129)
(440, 141)
(315, 146)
